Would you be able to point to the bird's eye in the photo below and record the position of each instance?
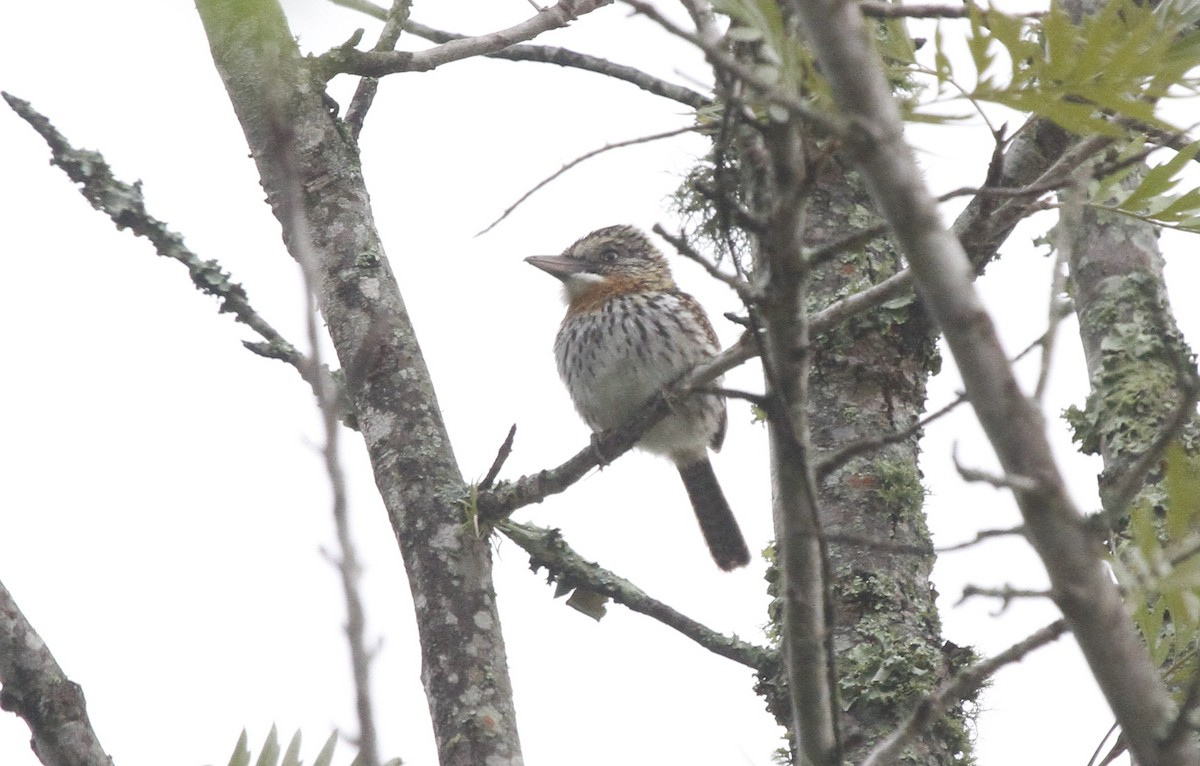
(608, 255)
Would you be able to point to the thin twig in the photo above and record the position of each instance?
(1096, 753)
(745, 291)
(1007, 481)
(1059, 309)
(550, 54)
(364, 94)
(962, 685)
(501, 455)
(986, 534)
(342, 60)
(291, 211)
(582, 158)
(1007, 594)
(828, 465)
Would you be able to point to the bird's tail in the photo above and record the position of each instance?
(717, 522)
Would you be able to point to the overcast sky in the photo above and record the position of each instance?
(162, 504)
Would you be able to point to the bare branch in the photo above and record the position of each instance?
(1008, 481)
(1007, 594)
(580, 159)
(1059, 309)
(965, 683)
(745, 290)
(549, 54)
(368, 86)
(33, 686)
(861, 302)
(501, 455)
(379, 63)
(980, 536)
(831, 463)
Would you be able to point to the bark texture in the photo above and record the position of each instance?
(33, 686)
(869, 378)
(310, 169)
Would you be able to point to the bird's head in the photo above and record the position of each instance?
(607, 262)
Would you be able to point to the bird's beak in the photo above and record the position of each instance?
(557, 265)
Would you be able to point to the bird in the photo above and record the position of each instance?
(629, 332)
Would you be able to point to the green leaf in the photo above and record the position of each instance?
(270, 750)
(325, 757)
(292, 756)
(1183, 494)
(241, 751)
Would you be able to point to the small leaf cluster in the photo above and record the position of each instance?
(272, 755)
(1153, 197)
(1092, 76)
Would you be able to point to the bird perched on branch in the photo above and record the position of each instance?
(628, 333)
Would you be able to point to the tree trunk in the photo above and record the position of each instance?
(310, 169)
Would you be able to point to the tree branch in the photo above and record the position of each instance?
(125, 205)
(550, 54)
(547, 549)
(583, 158)
(33, 686)
(364, 94)
(379, 63)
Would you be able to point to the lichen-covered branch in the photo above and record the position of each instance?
(547, 550)
(126, 206)
(33, 686)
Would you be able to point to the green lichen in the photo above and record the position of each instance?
(888, 672)
(1136, 386)
(900, 488)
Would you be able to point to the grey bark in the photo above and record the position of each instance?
(310, 169)
(33, 686)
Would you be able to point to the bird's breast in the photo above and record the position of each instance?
(618, 353)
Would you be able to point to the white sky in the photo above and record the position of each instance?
(162, 504)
